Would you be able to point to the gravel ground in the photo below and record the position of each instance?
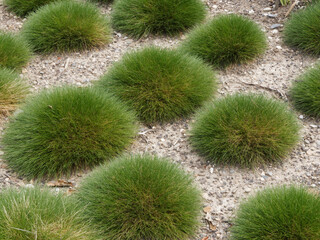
(223, 187)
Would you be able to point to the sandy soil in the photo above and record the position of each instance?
(223, 187)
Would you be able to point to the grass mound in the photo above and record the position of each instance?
(245, 130)
(139, 18)
(14, 52)
(279, 213)
(160, 84)
(66, 129)
(306, 92)
(141, 197)
(225, 40)
(12, 91)
(23, 7)
(66, 26)
(302, 30)
(29, 214)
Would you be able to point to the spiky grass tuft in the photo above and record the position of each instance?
(160, 84)
(23, 7)
(12, 91)
(139, 18)
(66, 129)
(226, 40)
(285, 212)
(31, 213)
(302, 30)
(141, 197)
(305, 93)
(245, 130)
(14, 52)
(66, 26)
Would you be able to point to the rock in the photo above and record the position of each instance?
(272, 15)
(29, 185)
(267, 9)
(269, 174)
(313, 126)
(251, 12)
(1, 153)
(247, 189)
(274, 26)
(301, 116)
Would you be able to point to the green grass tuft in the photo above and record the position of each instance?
(139, 18)
(302, 30)
(12, 91)
(160, 84)
(66, 26)
(31, 213)
(226, 40)
(305, 93)
(245, 130)
(279, 213)
(66, 129)
(24, 7)
(141, 197)
(14, 52)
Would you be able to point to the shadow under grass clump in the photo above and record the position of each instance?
(305, 93)
(12, 91)
(24, 7)
(302, 30)
(139, 18)
(226, 40)
(31, 213)
(66, 26)
(141, 197)
(65, 130)
(279, 213)
(14, 52)
(245, 130)
(160, 84)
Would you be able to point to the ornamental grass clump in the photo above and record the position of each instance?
(14, 52)
(66, 129)
(226, 40)
(139, 18)
(141, 197)
(305, 93)
(66, 26)
(160, 84)
(24, 7)
(12, 91)
(279, 213)
(245, 130)
(302, 30)
(31, 213)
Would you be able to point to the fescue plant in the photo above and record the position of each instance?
(66, 26)
(14, 52)
(66, 129)
(305, 93)
(226, 40)
(160, 84)
(302, 30)
(23, 7)
(138, 18)
(103, 1)
(245, 130)
(31, 213)
(278, 213)
(13, 90)
(141, 197)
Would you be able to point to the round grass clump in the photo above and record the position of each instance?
(66, 129)
(305, 93)
(12, 91)
(302, 30)
(24, 7)
(141, 197)
(31, 213)
(245, 130)
(139, 18)
(279, 213)
(66, 26)
(225, 40)
(14, 52)
(160, 84)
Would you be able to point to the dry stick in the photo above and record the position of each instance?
(277, 92)
(291, 7)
